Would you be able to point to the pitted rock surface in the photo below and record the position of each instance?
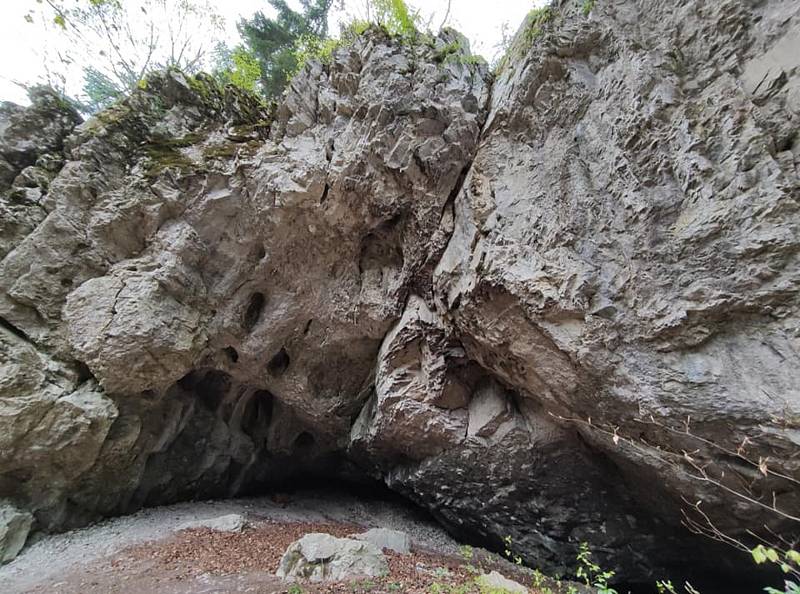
(519, 299)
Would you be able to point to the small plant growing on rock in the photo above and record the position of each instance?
(537, 19)
(539, 582)
(395, 17)
(591, 573)
(466, 552)
(587, 7)
(509, 552)
(665, 587)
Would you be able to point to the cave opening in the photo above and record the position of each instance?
(243, 441)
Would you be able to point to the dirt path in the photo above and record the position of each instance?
(145, 552)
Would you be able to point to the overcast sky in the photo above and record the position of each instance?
(21, 43)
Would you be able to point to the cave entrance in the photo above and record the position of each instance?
(235, 440)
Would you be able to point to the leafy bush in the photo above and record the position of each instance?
(311, 47)
(239, 67)
(395, 17)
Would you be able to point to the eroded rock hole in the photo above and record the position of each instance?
(253, 312)
(304, 441)
(279, 363)
(83, 371)
(381, 249)
(212, 388)
(257, 415)
(231, 354)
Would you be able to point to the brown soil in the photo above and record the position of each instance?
(206, 561)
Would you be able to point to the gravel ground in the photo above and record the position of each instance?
(54, 563)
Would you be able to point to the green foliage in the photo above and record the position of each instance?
(274, 41)
(238, 67)
(466, 552)
(115, 44)
(355, 29)
(665, 587)
(789, 563)
(508, 551)
(591, 573)
(520, 44)
(395, 17)
(311, 47)
(587, 7)
(537, 19)
(440, 588)
(294, 589)
(99, 89)
(455, 53)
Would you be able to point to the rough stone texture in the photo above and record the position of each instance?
(226, 523)
(384, 538)
(14, 528)
(625, 247)
(322, 557)
(200, 293)
(497, 582)
(517, 302)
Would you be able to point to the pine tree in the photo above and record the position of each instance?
(273, 40)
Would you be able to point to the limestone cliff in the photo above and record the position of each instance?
(520, 300)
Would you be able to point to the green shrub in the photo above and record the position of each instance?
(311, 47)
(537, 19)
(591, 573)
(239, 67)
(395, 17)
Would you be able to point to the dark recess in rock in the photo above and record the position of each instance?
(279, 363)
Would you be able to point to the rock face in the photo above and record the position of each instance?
(14, 528)
(497, 582)
(322, 557)
(560, 304)
(384, 538)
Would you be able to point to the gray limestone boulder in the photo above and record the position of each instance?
(385, 538)
(14, 527)
(226, 523)
(497, 583)
(322, 557)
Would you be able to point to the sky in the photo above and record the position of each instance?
(22, 43)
